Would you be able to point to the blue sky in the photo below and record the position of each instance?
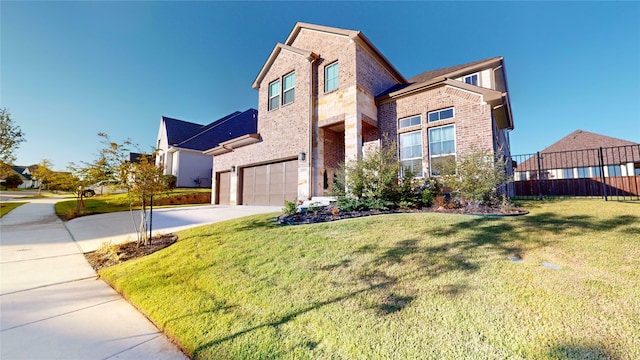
(72, 69)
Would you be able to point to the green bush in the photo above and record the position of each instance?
(478, 178)
(290, 208)
(347, 204)
(431, 187)
(374, 176)
(169, 181)
(377, 182)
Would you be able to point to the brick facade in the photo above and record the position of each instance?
(339, 125)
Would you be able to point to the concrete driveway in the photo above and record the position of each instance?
(91, 231)
(53, 306)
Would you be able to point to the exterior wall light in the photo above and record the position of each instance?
(233, 168)
(302, 156)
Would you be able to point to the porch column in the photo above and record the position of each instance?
(352, 137)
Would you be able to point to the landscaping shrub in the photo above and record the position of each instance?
(478, 178)
(290, 208)
(169, 181)
(374, 176)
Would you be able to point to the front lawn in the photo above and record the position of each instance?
(120, 202)
(401, 286)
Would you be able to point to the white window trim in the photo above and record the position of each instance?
(291, 88)
(421, 157)
(276, 95)
(439, 110)
(337, 77)
(410, 117)
(455, 145)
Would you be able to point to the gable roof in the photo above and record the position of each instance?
(454, 71)
(179, 130)
(432, 76)
(356, 36)
(309, 55)
(226, 128)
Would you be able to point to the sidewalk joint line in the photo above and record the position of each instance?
(39, 258)
(59, 315)
(95, 277)
(132, 347)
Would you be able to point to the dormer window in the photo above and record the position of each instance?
(471, 79)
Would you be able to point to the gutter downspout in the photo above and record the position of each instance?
(311, 59)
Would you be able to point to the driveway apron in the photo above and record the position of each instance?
(52, 304)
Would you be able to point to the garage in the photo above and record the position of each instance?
(224, 187)
(270, 184)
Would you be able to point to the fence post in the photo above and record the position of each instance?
(151, 220)
(604, 185)
(539, 176)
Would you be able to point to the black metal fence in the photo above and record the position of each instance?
(609, 173)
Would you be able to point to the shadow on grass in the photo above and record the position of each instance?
(459, 253)
(419, 262)
(579, 352)
(283, 320)
(255, 223)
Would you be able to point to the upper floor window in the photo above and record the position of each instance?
(440, 114)
(274, 95)
(471, 79)
(288, 88)
(410, 121)
(331, 77)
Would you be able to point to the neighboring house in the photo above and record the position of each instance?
(181, 145)
(579, 155)
(28, 182)
(327, 95)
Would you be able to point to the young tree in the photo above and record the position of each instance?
(144, 181)
(142, 178)
(10, 138)
(43, 174)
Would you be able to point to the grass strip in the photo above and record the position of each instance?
(6, 207)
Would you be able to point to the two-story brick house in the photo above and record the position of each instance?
(326, 95)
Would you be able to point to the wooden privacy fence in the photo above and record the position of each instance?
(610, 173)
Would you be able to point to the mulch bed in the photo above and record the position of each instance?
(330, 213)
(119, 253)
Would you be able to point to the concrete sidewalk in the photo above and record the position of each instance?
(52, 304)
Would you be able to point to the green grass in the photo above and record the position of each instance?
(6, 207)
(402, 286)
(110, 203)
